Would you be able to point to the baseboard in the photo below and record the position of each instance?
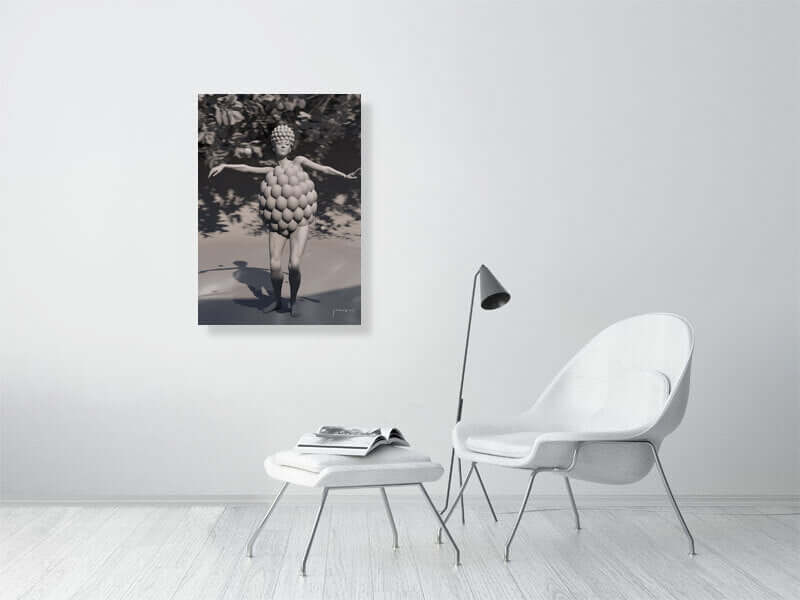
(361, 495)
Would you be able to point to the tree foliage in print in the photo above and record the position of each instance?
(235, 128)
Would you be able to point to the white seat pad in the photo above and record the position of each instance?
(387, 465)
(509, 445)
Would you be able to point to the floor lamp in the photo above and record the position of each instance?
(493, 295)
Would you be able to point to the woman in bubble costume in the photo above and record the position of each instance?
(288, 205)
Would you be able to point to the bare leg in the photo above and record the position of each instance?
(297, 245)
(276, 244)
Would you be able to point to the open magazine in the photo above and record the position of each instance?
(349, 441)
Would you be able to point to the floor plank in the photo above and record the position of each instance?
(604, 530)
(210, 573)
(573, 560)
(14, 518)
(130, 560)
(607, 573)
(662, 550)
(439, 578)
(534, 571)
(348, 570)
(290, 583)
(34, 532)
(394, 572)
(486, 576)
(66, 577)
(745, 544)
(255, 578)
(161, 579)
(745, 551)
(29, 567)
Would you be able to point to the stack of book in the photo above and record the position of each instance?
(349, 441)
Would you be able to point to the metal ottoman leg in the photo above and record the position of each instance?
(391, 518)
(313, 531)
(264, 520)
(442, 523)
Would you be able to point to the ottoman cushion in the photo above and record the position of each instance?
(387, 465)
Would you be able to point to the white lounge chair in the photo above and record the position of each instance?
(601, 419)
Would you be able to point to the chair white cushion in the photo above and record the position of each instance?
(647, 390)
(511, 445)
(387, 465)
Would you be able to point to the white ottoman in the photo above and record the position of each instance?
(384, 467)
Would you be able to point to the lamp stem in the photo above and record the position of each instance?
(461, 390)
(466, 347)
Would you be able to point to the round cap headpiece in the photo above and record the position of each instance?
(282, 133)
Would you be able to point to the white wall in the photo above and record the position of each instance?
(604, 159)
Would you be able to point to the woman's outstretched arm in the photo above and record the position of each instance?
(242, 168)
(302, 160)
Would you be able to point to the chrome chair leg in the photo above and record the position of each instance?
(313, 531)
(461, 482)
(519, 516)
(449, 481)
(442, 523)
(672, 499)
(485, 493)
(572, 501)
(258, 529)
(455, 502)
(391, 518)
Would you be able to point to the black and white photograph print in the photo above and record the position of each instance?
(279, 209)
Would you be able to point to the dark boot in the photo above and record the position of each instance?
(294, 286)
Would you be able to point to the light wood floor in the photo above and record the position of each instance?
(181, 552)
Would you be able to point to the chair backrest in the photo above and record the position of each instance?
(633, 376)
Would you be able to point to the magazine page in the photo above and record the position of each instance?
(349, 440)
(390, 433)
(394, 435)
(335, 431)
(324, 441)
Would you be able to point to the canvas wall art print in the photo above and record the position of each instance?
(279, 209)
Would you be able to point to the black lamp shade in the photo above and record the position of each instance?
(493, 295)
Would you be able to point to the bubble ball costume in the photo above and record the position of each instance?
(288, 199)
